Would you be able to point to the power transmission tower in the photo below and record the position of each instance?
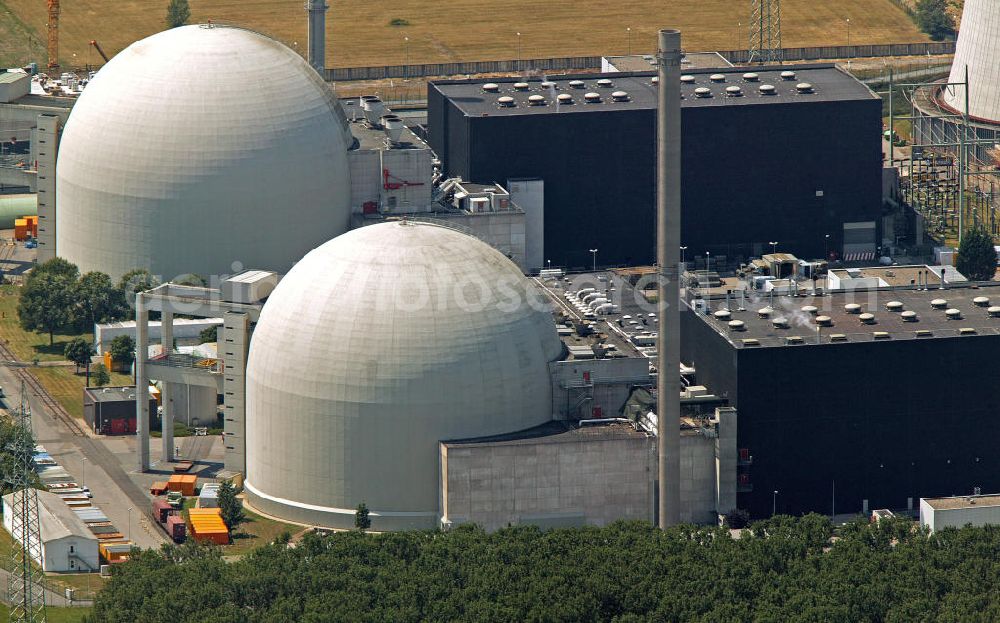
(765, 32)
(26, 582)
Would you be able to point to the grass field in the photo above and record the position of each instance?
(462, 30)
(67, 387)
(56, 615)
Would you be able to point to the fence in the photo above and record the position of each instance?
(342, 74)
(851, 51)
(456, 69)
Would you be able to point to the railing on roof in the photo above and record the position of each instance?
(181, 360)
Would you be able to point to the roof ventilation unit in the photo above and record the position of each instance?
(767, 89)
(788, 75)
(520, 86)
(564, 98)
(576, 84)
(838, 337)
(765, 312)
(909, 316)
(604, 83)
(393, 127)
(620, 96)
(981, 301)
(506, 101)
(536, 100)
(751, 77)
(824, 321)
(593, 98)
(703, 92)
(686, 79)
(939, 303)
(793, 339)
(734, 91)
(953, 314)
(852, 308)
(994, 312)
(804, 87)
(810, 309)
(548, 84)
(967, 331)
(656, 80)
(491, 87)
(923, 333)
(867, 318)
(894, 306)
(880, 335)
(717, 78)
(737, 325)
(780, 323)
(373, 107)
(722, 314)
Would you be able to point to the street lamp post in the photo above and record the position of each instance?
(128, 535)
(549, 262)
(84, 470)
(406, 42)
(593, 253)
(683, 249)
(774, 247)
(848, 31)
(826, 251)
(629, 34)
(708, 261)
(774, 504)
(518, 52)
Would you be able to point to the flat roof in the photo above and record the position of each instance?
(556, 431)
(112, 394)
(9, 77)
(828, 81)
(690, 60)
(847, 326)
(962, 501)
(375, 139)
(614, 330)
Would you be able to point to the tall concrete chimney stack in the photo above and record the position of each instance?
(668, 242)
(317, 34)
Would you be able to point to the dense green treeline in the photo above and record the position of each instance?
(781, 570)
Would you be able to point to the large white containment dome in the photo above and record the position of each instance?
(978, 49)
(376, 346)
(199, 147)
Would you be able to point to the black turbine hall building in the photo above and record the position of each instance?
(787, 154)
(863, 412)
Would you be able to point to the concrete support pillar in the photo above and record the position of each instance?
(167, 421)
(726, 457)
(668, 234)
(47, 142)
(233, 345)
(141, 382)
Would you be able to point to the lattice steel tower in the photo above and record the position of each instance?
(765, 32)
(26, 582)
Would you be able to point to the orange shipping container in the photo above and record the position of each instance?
(115, 552)
(207, 525)
(185, 483)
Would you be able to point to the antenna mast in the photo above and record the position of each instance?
(765, 32)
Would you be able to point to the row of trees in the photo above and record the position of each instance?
(783, 569)
(57, 298)
(933, 18)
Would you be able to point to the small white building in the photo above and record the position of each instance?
(67, 543)
(958, 511)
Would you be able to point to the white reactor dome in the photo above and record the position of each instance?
(376, 346)
(199, 147)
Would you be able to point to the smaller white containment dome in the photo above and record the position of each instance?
(199, 147)
(375, 347)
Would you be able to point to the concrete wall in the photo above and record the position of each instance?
(584, 482)
(504, 231)
(46, 146)
(366, 178)
(957, 517)
(611, 379)
(529, 195)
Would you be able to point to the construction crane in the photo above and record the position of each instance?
(97, 46)
(26, 582)
(53, 34)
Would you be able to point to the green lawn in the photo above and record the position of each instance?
(66, 386)
(257, 531)
(28, 345)
(56, 615)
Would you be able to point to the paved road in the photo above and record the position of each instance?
(92, 462)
